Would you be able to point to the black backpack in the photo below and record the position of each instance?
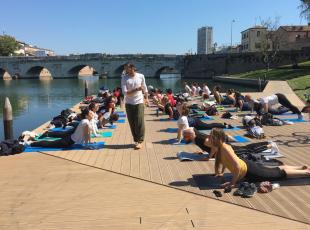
(268, 119)
(211, 111)
(10, 147)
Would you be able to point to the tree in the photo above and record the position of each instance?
(305, 9)
(8, 45)
(269, 42)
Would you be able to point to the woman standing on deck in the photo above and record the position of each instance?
(133, 86)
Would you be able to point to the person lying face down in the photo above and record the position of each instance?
(226, 157)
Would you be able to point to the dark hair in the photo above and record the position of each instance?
(84, 113)
(169, 91)
(92, 106)
(114, 117)
(237, 94)
(217, 88)
(131, 65)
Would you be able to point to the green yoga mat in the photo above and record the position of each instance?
(37, 138)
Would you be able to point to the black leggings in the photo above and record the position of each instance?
(64, 142)
(200, 125)
(258, 171)
(285, 102)
(251, 148)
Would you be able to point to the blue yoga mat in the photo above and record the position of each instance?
(121, 114)
(173, 141)
(285, 114)
(241, 139)
(60, 129)
(185, 156)
(98, 145)
(109, 127)
(121, 121)
(104, 134)
(234, 129)
(166, 119)
(206, 118)
(296, 120)
(172, 130)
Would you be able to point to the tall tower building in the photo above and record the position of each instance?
(205, 40)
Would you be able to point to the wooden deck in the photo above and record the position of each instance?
(157, 163)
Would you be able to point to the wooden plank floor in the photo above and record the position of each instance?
(157, 162)
(46, 193)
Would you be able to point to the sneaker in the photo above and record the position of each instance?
(241, 188)
(249, 191)
(300, 116)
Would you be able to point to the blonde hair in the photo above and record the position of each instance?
(217, 137)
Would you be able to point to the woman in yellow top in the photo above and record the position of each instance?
(226, 157)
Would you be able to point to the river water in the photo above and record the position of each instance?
(37, 101)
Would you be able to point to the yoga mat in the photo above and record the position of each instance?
(121, 121)
(284, 114)
(174, 141)
(206, 118)
(209, 181)
(121, 114)
(166, 119)
(240, 139)
(37, 138)
(109, 127)
(98, 145)
(295, 120)
(60, 129)
(234, 129)
(185, 156)
(104, 134)
(172, 130)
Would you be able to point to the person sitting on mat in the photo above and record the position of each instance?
(81, 135)
(266, 104)
(185, 121)
(225, 157)
(93, 108)
(217, 94)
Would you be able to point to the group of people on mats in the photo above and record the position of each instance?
(219, 145)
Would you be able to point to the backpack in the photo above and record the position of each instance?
(10, 147)
(268, 119)
(227, 115)
(211, 111)
(255, 132)
(250, 121)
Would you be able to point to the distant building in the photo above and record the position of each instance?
(293, 37)
(251, 39)
(228, 49)
(29, 50)
(205, 40)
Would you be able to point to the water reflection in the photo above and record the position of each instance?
(36, 101)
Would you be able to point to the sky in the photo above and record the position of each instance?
(135, 26)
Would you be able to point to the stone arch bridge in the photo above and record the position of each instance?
(71, 66)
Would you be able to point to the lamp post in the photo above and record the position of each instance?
(231, 33)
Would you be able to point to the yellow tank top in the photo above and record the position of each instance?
(228, 164)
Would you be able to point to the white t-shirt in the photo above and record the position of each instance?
(78, 136)
(206, 90)
(183, 121)
(198, 90)
(131, 83)
(270, 100)
(194, 89)
(188, 89)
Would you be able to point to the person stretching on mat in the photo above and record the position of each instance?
(266, 104)
(225, 157)
(184, 122)
(81, 134)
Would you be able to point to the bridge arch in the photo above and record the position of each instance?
(119, 70)
(40, 72)
(4, 74)
(165, 69)
(82, 70)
